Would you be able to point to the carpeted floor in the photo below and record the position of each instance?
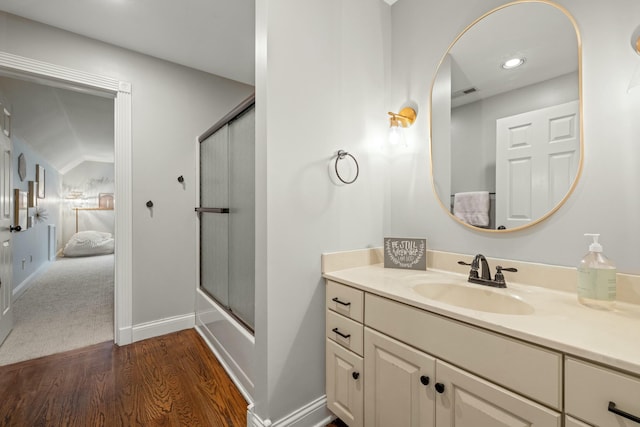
(69, 306)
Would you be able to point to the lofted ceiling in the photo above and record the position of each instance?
(67, 127)
(63, 126)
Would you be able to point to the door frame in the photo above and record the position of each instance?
(121, 93)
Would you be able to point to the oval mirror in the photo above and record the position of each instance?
(506, 128)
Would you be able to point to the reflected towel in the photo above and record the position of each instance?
(472, 207)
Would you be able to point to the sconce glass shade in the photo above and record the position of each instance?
(396, 136)
(397, 123)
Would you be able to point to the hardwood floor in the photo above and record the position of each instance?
(173, 380)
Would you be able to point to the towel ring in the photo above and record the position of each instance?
(341, 155)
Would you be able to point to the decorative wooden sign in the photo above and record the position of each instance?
(405, 253)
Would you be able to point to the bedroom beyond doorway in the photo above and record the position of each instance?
(68, 306)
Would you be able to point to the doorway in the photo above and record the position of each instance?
(38, 71)
(62, 144)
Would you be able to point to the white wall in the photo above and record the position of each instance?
(91, 179)
(171, 106)
(32, 244)
(606, 199)
(320, 80)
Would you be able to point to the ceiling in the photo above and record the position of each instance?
(65, 127)
(215, 36)
(539, 32)
(68, 127)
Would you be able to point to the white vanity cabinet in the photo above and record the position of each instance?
(412, 369)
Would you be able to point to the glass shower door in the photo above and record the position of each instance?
(227, 216)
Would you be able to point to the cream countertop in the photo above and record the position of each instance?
(558, 322)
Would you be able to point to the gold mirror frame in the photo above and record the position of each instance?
(580, 125)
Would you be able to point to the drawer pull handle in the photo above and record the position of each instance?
(612, 408)
(340, 302)
(424, 380)
(345, 336)
(440, 388)
(355, 375)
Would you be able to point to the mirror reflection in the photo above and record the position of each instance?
(505, 117)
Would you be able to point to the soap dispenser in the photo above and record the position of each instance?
(596, 278)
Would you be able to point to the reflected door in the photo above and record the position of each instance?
(227, 216)
(6, 220)
(537, 156)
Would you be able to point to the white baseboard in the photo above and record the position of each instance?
(124, 336)
(313, 414)
(26, 283)
(161, 327)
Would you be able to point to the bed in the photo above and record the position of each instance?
(89, 243)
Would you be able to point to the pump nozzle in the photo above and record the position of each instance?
(595, 246)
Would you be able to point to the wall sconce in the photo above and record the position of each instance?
(635, 45)
(397, 123)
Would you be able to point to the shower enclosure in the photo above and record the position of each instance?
(225, 311)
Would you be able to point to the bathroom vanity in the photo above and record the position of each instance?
(425, 348)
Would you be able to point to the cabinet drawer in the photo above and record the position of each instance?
(524, 368)
(345, 300)
(351, 331)
(590, 388)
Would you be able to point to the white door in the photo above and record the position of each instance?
(464, 400)
(6, 220)
(537, 156)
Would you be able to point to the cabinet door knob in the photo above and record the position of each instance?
(355, 375)
(424, 380)
(440, 388)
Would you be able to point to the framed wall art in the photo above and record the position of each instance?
(20, 208)
(105, 200)
(40, 179)
(32, 198)
(22, 167)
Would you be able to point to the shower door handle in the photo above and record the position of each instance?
(213, 210)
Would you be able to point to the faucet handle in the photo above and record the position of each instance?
(499, 278)
(474, 268)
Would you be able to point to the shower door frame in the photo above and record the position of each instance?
(230, 339)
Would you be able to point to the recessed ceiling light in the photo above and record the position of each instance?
(512, 63)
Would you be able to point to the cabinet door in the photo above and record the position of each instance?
(344, 384)
(395, 376)
(464, 400)
(572, 422)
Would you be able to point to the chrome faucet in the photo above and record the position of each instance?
(484, 278)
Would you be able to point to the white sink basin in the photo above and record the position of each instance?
(474, 297)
